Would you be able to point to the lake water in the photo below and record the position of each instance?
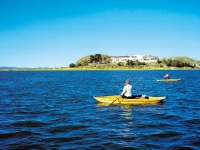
(56, 110)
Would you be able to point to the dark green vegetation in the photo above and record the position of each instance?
(92, 60)
(181, 62)
(102, 61)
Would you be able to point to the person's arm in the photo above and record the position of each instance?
(124, 90)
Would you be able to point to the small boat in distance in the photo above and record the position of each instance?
(169, 80)
(117, 99)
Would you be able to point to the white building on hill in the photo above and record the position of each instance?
(140, 58)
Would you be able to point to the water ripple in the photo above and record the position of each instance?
(56, 110)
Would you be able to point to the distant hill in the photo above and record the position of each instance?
(181, 61)
(184, 58)
(8, 67)
(104, 61)
(96, 58)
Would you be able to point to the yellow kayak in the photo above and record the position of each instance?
(117, 99)
(169, 80)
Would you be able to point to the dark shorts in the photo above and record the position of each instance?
(132, 97)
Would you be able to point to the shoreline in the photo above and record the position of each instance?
(91, 69)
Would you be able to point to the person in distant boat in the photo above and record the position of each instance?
(166, 76)
(127, 90)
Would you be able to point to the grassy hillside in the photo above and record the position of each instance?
(91, 59)
(87, 62)
(184, 59)
(181, 61)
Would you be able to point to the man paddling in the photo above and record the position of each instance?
(166, 76)
(127, 90)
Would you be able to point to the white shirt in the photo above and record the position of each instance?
(127, 91)
(166, 76)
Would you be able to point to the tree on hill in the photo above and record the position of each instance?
(134, 63)
(105, 59)
(120, 63)
(72, 65)
(91, 58)
(97, 58)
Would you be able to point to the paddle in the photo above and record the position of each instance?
(120, 96)
(138, 81)
(115, 100)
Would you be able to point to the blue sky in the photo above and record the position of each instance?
(55, 33)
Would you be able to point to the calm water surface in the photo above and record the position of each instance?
(56, 110)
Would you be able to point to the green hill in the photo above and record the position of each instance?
(184, 59)
(93, 59)
(103, 61)
(181, 61)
